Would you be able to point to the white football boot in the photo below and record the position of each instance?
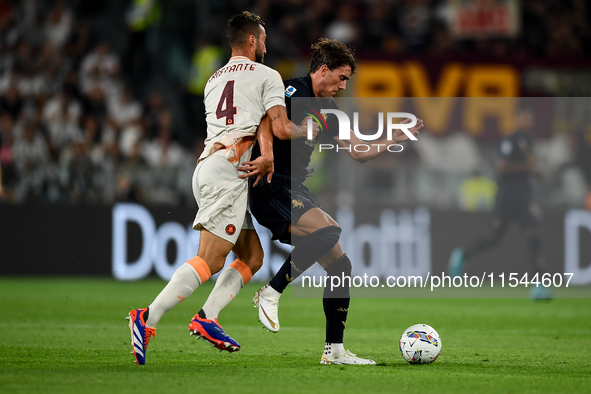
(346, 358)
(266, 299)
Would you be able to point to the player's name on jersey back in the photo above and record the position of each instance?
(233, 68)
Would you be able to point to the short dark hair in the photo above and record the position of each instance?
(241, 26)
(334, 54)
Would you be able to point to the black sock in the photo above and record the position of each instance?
(336, 300)
(202, 314)
(281, 279)
(304, 255)
(335, 310)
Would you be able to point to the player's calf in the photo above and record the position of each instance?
(304, 255)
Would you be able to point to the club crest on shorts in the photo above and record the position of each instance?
(297, 203)
(230, 229)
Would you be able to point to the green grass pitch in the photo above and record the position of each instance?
(69, 336)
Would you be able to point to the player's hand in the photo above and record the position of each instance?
(301, 131)
(315, 126)
(260, 167)
(400, 136)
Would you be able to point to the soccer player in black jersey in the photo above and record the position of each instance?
(514, 201)
(312, 232)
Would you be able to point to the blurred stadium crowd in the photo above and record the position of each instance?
(82, 120)
(388, 27)
(71, 128)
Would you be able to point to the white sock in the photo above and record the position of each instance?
(333, 349)
(226, 288)
(184, 281)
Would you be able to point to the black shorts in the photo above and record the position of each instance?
(276, 206)
(521, 209)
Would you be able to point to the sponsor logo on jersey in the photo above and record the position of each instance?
(289, 91)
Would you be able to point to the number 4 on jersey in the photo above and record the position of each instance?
(227, 101)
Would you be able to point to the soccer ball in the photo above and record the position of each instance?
(420, 344)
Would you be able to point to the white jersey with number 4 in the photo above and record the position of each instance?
(236, 98)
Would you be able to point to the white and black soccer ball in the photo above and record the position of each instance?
(420, 344)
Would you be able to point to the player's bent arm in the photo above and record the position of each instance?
(376, 148)
(263, 165)
(279, 123)
(283, 128)
(265, 140)
(265, 137)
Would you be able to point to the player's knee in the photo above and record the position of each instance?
(255, 261)
(319, 243)
(216, 264)
(328, 235)
(334, 224)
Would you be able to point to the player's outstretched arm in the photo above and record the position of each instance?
(377, 147)
(263, 165)
(283, 128)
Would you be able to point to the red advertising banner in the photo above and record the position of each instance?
(484, 18)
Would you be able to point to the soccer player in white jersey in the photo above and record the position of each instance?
(237, 97)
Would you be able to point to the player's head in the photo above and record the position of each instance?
(246, 32)
(524, 118)
(331, 66)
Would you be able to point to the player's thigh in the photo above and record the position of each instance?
(248, 249)
(222, 199)
(270, 205)
(310, 222)
(214, 250)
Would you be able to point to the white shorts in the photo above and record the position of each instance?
(222, 198)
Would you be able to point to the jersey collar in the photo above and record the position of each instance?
(308, 80)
